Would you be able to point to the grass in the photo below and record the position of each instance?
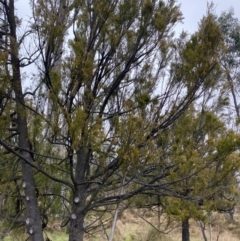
(130, 227)
(54, 236)
(58, 236)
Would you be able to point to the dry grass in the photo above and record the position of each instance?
(131, 227)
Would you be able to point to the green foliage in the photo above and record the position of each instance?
(206, 155)
(201, 52)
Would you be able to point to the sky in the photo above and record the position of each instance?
(193, 11)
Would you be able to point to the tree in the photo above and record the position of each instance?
(206, 154)
(230, 28)
(121, 74)
(12, 64)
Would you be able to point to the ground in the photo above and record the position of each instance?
(135, 225)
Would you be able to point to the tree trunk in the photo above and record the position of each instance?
(202, 226)
(116, 212)
(76, 228)
(185, 230)
(229, 78)
(210, 226)
(33, 219)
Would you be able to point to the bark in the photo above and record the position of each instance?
(185, 230)
(202, 226)
(33, 220)
(116, 212)
(210, 226)
(76, 228)
(229, 78)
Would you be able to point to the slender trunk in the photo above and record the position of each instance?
(185, 230)
(33, 219)
(114, 223)
(116, 213)
(210, 226)
(231, 215)
(202, 226)
(159, 213)
(233, 95)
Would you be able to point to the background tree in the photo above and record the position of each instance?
(230, 28)
(205, 153)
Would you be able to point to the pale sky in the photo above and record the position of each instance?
(193, 11)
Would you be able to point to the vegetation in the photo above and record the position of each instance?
(201, 153)
(129, 223)
(118, 113)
